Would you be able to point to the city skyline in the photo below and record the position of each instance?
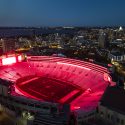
(62, 13)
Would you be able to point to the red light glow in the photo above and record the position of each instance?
(89, 90)
(55, 79)
(109, 79)
(20, 58)
(75, 107)
(9, 60)
(110, 65)
(74, 65)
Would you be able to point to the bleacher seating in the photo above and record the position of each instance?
(80, 74)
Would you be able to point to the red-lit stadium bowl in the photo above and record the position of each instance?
(60, 80)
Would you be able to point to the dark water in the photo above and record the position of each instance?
(10, 32)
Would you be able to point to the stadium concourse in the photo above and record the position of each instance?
(60, 80)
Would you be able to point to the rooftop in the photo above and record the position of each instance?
(114, 99)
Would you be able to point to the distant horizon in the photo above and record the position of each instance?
(59, 26)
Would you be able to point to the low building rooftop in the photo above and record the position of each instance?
(114, 99)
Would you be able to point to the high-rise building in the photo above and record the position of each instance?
(7, 45)
(1, 46)
(103, 39)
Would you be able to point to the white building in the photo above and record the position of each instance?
(116, 56)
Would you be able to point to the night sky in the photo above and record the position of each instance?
(62, 12)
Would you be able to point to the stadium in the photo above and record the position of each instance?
(52, 90)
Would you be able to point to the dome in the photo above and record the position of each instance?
(120, 28)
